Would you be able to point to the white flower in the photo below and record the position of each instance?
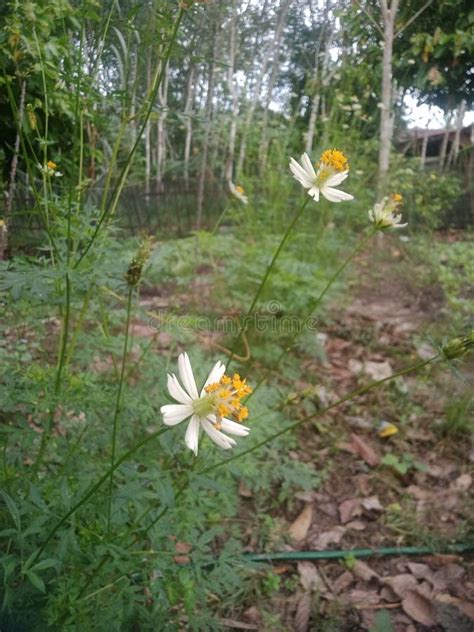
(383, 214)
(219, 397)
(332, 170)
(49, 169)
(238, 192)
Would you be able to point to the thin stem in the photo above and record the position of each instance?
(118, 402)
(269, 269)
(341, 268)
(161, 69)
(45, 437)
(219, 221)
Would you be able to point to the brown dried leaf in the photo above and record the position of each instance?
(349, 508)
(342, 582)
(332, 536)
(183, 547)
(419, 608)
(303, 613)
(244, 491)
(299, 527)
(237, 625)
(363, 571)
(356, 525)
(372, 504)
(463, 483)
(364, 450)
(309, 576)
(402, 584)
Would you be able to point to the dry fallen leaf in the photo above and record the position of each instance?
(349, 508)
(309, 576)
(378, 370)
(364, 450)
(419, 608)
(303, 613)
(463, 483)
(372, 504)
(327, 537)
(402, 584)
(363, 571)
(342, 582)
(299, 527)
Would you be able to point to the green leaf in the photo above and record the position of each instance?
(36, 581)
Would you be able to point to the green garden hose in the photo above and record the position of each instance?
(294, 556)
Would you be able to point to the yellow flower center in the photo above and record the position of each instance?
(51, 165)
(240, 189)
(334, 159)
(223, 399)
(397, 198)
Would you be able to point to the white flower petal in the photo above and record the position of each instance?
(218, 437)
(191, 438)
(187, 376)
(300, 174)
(177, 391)
(175, 413)
(334, 195)
(308, 165)
(234, 428)
(214, 376)
(336, 179)
(314, 193)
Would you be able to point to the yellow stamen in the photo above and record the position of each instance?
(396, 197)
(51, 165)
(223, 399)
(335, 159)
(239, 189)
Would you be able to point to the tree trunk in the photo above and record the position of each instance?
(161, 131)
(444, 143)
(453, 154)
(275, 56)
(389, 12)
(207, 134)
(148, 129)
(234, 94)
(188, 110)
(255, 93)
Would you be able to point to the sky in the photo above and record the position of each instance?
(428, 116)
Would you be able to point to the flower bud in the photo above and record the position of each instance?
(134, 272)
(457, 347)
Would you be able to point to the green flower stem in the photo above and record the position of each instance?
(78, 326)
(118, 402)
(96, 486)
(243, 327)
(45, 437)
(219, 221)
(317, 302)
(160, 73)
(349, 396)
